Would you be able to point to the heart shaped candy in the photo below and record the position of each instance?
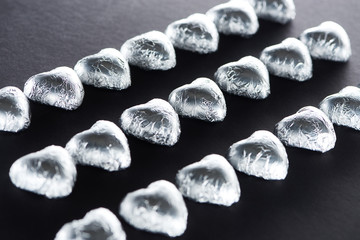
(152, 51)
(105, 69)
(247, 77)
(308, 128)
(211, 180)
(155, 121)
(60, 87)
(343, 108)
(234, 17)
(201, 99)
(281, 11)
(261, 155)
(50, 172)
(159, 208)
(14, 110)
(99, 224)
(289, 59)
(327, 41)
(104, 145)
(196, 33)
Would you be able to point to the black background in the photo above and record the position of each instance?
(319, 199)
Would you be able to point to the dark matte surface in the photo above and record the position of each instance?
(320, 198)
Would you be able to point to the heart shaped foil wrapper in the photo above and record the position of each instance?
(201, 99)
(159, 208)
(281, 11)
(196, 33)
(104, 145)
(155, 121)
(289, 59)
(105, 69)
(99, 223)
(247, 77)
(49, 172)
(211, 180)
(151, 51)
(328, 41)
(343, 108)
(308, 128)
(234, 18)
(14, 110)
(60, 87)
(261, 155)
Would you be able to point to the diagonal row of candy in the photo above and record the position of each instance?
(248, 77)
(160, 207)
(62, 87)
